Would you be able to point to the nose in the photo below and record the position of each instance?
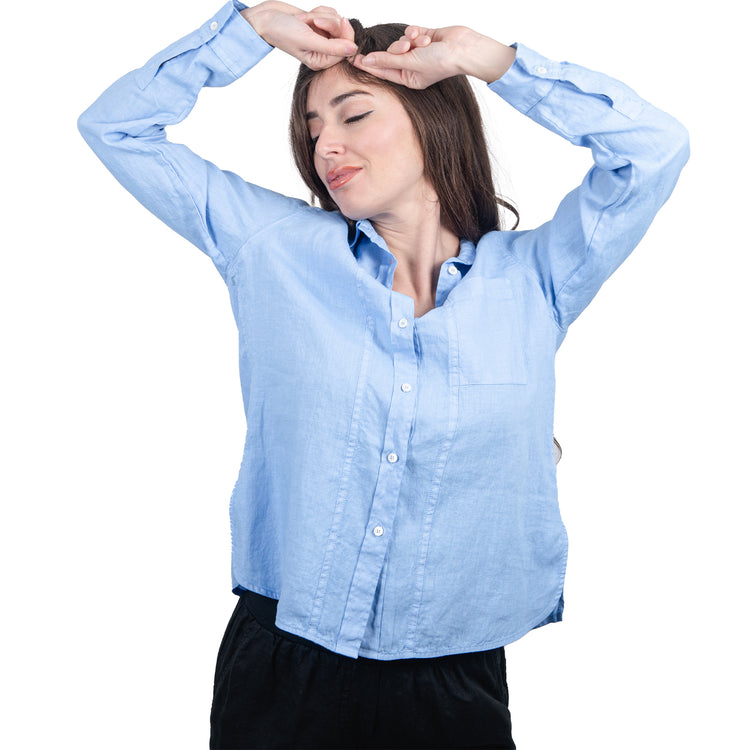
(330, 142)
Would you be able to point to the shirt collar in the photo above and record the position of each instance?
(467, 251)
(372, 253)
(375, 257)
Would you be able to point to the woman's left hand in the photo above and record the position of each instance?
(425, 56)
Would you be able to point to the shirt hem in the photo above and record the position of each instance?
(488, 645)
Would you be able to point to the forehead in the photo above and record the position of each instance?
(333, 83)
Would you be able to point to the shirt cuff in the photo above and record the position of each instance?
(235, 41)
(532, 77)
(232, 39)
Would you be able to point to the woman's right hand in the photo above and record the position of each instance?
(319, 39)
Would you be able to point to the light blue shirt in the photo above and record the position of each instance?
(397, 492)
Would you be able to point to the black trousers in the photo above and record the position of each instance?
(276, 690)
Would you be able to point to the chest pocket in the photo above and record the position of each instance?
(490, 344)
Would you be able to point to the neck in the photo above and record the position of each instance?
(420, 244)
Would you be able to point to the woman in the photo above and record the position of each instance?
(395, 519)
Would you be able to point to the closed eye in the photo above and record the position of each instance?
(348, 121)
(357, 118)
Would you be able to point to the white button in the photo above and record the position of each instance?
(403, 323)
(378, 531)
(392, 458)
(405, 387)
(541, 70)
(452, 270)
(214, 26)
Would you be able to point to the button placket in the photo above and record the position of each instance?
(385, 497)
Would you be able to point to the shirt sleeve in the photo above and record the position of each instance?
(215, 210)
(638, 153)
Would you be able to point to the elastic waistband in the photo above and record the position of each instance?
(263, 609)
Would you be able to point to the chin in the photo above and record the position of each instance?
(352, 212)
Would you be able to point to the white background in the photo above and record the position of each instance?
(122, 423)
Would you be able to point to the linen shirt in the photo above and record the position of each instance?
(397, 491)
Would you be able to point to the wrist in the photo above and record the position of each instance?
(256, 16)
(486, 58)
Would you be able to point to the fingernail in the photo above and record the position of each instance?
(369, 60)
(350, 49)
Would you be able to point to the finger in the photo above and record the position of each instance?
(405, 44)
(387, 61)
(418, 36)
(333, 47)
(329, 24)
(347, 30)
(412, 32)
(396, 75)
(339, 28)
(322, 12)
(400, 46)
(316, 61)
(312, 19)
(387, 75)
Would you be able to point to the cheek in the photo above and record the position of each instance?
(317, 163)
(320, 170)
(405, 164)
(402, 152)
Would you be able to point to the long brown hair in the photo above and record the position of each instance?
(448, 126)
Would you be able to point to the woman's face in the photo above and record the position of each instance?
(366, 151)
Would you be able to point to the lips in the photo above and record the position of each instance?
(336, 178)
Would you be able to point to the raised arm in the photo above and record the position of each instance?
(215, 210)
(638, 152)
(425, 56)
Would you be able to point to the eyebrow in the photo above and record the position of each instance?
(338, 100)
